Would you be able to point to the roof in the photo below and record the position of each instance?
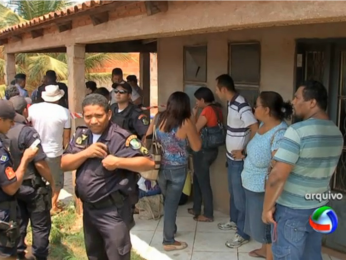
(58, 14)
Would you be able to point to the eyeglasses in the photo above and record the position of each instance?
(120, 91)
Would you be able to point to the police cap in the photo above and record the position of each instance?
(124, 85)
(7, 110)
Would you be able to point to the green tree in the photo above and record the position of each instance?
(34, 65)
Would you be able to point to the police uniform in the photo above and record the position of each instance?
(106, 194)
(34, 196)
(131, 119)
(9, 216)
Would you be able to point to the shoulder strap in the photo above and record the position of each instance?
(272, 139)
(219, 119)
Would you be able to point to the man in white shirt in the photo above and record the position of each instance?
(53, 123)
(241, 127)
(137, 93)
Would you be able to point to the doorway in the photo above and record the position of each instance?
(325, 61)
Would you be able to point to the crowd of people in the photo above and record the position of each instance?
(270, 165)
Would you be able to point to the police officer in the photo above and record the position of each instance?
(106, 158)
(10, 181)
(34, 196)
(125, 113)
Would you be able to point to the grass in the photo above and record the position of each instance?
(67, 238)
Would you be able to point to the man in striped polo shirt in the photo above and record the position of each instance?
(305, 162)
(241, 127)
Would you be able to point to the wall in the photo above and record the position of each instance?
(277, 71)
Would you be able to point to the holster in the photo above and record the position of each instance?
(9, 231)
(114, 199)
(43, 200)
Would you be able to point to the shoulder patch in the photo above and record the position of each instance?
(141, 116)
(135, 144)
(10, 173)
(4, 159)
(129, 139)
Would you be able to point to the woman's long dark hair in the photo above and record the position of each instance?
(178, 109)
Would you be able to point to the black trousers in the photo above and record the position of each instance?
(35, 209)
(202, 192)
(107, 232)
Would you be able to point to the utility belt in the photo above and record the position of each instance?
(43, 195)
(9, 231)
(35, 182)
(114, 199)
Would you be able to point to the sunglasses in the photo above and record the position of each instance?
(120, 91)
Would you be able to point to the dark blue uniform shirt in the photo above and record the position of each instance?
(7, 174)
(26, 138)
(93, 181)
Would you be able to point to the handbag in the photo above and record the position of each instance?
(271, 166)
(155, 151)
(213, 137)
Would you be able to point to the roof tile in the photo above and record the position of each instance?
(54, 15)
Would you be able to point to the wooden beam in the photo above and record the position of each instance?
(119, 47)
(37, 33)
(53, 50)
(153, 7)
(99, 18)
(66, 26)
(17, 37)
(3, 41)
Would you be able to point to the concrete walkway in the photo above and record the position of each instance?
(205, 240)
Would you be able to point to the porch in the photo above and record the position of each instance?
(205, 240)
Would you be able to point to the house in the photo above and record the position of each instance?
(264, 45)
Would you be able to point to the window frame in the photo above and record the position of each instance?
(195, 82)
(244, 85)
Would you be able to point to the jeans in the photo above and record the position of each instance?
(149, 193)
(171, 181)
(296, 240)
(202, 161)
(237, 192)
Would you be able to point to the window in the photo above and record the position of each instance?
(195, 70)
(244, 67)
(195, 64)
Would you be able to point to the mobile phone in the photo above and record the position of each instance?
(35, 144)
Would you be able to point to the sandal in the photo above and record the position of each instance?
(202, 218)
(176, 246)
(255, 253)
(190, 211)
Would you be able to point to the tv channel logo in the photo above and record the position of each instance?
(324, 220)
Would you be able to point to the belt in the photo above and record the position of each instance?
(114, 199)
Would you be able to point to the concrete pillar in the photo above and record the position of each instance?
(76, 76)
(144, 71)
(76, 93)
(10, 67)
